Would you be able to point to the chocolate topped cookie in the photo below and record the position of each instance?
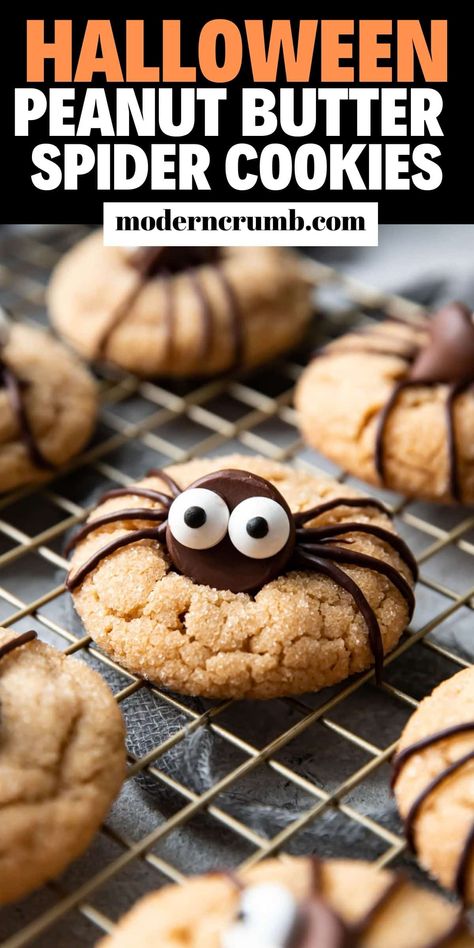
(240, 577)
(294, 903)
(48, 405)
(62, 760)
(394, 405)
(434, 783)
(180, 311)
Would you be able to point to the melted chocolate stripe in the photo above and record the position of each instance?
(164, 262)
(13, 389)
(205, 346)
(169, 316)
(384, 414)
(118, 315)
(307, 558)
(354, 558)
(402, 756)
(396, 542)
(131, 513)
(133, 536)
(454, 484)
(460, 878)
(236, 321)
(304, 515)
(426, 792)
(138, 492)
(16, 642)
(172, 485)
(453, 392)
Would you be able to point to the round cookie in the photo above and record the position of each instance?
(62, 761)
(319, 594)
(180, 311)
(48, 405)
(293, 903)
(434, 783)
(394, 405)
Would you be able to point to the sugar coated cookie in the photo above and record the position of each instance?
(294, 903)
(180, 311)
(62, 760)
(48, 405)
(434, 783)
(394, 405)
(241, 577)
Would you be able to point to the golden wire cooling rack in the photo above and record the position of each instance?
(220, 783)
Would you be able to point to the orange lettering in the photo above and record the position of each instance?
(333, 50)
(136, 70)
(265, 61)
(173, 71)
(370, 51)
(434, 62)
(207, 50)
(98, 33)
(60, 50)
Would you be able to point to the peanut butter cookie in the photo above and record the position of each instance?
(48, 405)
(62, 760)
(294, 903)
(241, 577)
(434, 783)
(394, 405)
(180, 311)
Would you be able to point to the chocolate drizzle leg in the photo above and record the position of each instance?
(235, 321)
(425, 793)
(447, 358)
(460, 879)
(14, 388)
(320, 926)
(307, 560)
(224, 566)
(15, 643)
(380, 436)
(164, 262)
(399, 761)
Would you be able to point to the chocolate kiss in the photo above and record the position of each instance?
(449, 353)
(153, 260)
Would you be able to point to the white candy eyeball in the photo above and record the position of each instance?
(198, 518)
(259, 527)
(266, 919)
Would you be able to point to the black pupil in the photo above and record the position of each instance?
(195, 517)
(257, 528)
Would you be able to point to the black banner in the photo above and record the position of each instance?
(404, 144)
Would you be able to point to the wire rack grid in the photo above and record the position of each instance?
(321, 759)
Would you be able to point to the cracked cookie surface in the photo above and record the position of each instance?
(62, 762)
(300, 632)
(443, 828)
(59, 397)
(199, 913)
(341, 395)
(250, 306)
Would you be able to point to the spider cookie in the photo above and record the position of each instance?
(180, 311)
(295, 903)
(240, 577)
(48, 405)
(62, 760)
(394, 405)
(434, 783)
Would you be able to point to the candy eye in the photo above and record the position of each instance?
(259, 527)
(198, 518)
